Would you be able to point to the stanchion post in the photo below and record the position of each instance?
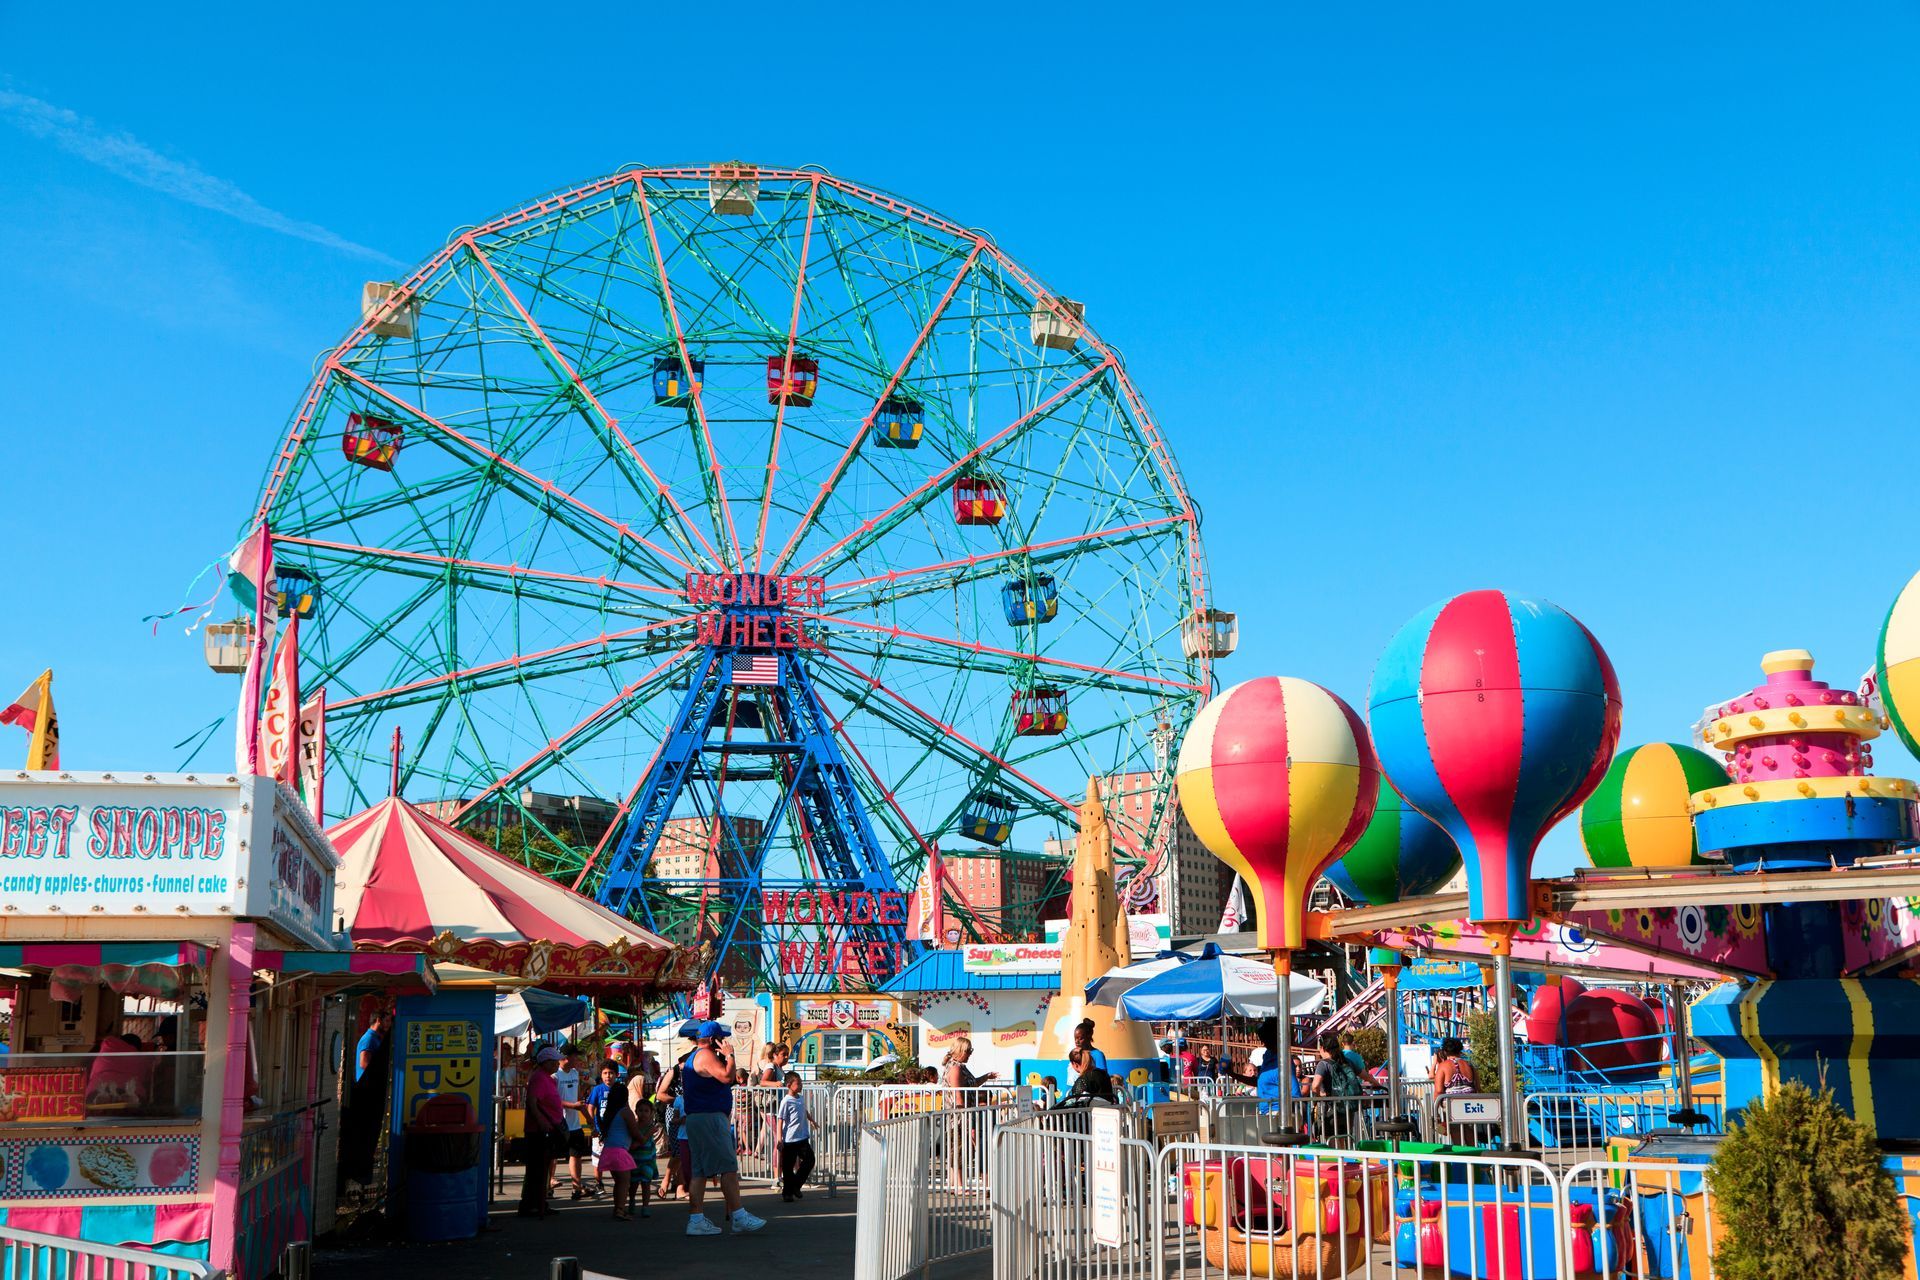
(1286, 1135)
(565, 1269)
(1500, 933)
(1396, 1090)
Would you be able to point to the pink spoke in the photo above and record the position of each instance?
(604, 639)
(479, 566)
(971, 646)
(546, 486)
(947, 729)
(579, 727)
(939, 479)
(926, 846)
(686, 365)
(780, 412)
(619, 816)
(866, 425)
(968, 562)
(573, 376)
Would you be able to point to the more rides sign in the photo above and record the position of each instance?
(164, 845)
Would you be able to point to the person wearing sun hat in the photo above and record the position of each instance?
(707, 1090)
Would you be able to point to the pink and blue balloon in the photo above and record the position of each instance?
(1495, 716)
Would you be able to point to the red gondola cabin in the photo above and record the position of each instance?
(979, 500)
(1040, 712)
(794, 384)
(372, 442)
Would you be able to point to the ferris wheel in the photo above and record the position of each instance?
(540, 487)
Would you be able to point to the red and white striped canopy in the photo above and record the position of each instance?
(407, 878)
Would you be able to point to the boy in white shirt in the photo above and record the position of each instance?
(795, 1126)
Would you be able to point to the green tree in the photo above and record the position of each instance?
(1372, 1044)
(1799, 1186)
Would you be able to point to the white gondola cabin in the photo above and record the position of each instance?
(733, 189)
(1212, 633)
(1057, 323)
(228, 644)
(393, 315)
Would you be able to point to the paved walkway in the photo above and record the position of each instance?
(802, 1241)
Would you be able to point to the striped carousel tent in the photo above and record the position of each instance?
(410, 882)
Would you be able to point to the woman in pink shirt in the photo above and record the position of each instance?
(545, 1118)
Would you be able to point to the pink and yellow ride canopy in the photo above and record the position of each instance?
(1278, 779)
(409, 882)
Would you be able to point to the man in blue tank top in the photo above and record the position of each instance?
(707, 1093)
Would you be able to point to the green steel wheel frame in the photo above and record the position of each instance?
(510, 593)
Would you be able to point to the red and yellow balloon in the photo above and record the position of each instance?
(1278, 779)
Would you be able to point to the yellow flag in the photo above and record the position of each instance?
(33, 711)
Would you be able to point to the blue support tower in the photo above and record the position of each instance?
(751, 716)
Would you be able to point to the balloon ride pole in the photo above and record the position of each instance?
(1500, 932)
(1286, 1135)
(1396, 1090)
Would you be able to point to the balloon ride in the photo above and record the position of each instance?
(1278, 779)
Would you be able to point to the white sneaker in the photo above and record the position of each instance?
(701, 1225)
(744, 1222)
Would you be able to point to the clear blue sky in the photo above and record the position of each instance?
(1426, 299)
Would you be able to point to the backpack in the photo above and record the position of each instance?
(1346, 1080)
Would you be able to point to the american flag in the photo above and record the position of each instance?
(758, 668)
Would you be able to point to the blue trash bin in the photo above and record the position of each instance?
(445, 1177)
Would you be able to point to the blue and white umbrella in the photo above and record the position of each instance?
(1105, 991)
(1214, 984)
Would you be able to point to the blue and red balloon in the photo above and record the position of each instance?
(1495, 717)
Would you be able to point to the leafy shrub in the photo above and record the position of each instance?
(1799, 1186)
(1372, 1044)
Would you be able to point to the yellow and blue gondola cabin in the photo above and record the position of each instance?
(1032, 599)
(979, 500)
(671, 382)
(793, 381)
(371, 442)
(988, 818)
(899, 423)
(296, 592)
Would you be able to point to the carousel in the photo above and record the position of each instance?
(412, 886)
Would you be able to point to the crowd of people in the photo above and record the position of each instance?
(629, 1112)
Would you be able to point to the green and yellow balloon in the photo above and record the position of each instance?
(1896, 666)
(1637, 816)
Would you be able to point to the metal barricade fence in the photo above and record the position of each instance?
(1234, 1213)
(1046, 1222)
(850, 1107)
(924, 1189)
(34, 1255)
(1584, 1120)
(1638, 1219)
(756, 1136)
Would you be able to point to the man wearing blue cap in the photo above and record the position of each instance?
(707, 1091)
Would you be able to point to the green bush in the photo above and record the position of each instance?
(1372, 1044)
(1799, 1186)
(1483, 1049)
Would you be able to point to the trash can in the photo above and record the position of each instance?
(445, 1176)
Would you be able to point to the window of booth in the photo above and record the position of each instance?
(843, 1048)
(103, 1044)
(279, 1072)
